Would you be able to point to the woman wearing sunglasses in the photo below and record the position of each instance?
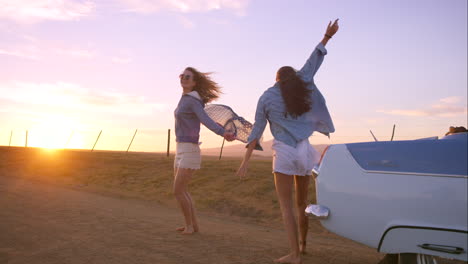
(198, 89)
(295, 108)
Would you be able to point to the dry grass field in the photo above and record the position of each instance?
(149, 176)
(69, 206)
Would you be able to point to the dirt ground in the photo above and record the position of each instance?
(44, 223)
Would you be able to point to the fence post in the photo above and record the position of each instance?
(132, 140)
(69, 138)
(373, 135)
(96, 140)
(168, 141)
(11, 135)
(26, 145)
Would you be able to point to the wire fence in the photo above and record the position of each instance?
(122, 140)
(147, 140)
(114, 140)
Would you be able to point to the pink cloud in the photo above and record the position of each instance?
(77, 53)
(445, 107)
(186, 6)
(30, 11)
(30, 53)
(74, 97)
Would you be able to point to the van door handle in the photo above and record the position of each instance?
(442, 248)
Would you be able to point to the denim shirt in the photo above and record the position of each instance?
(188, 115)
(287, 129)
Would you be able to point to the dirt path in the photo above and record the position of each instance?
(41, 223)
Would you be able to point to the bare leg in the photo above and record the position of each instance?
(284, 185)
(181, 181)
(182, 228)
(194, 215)
(302, 189)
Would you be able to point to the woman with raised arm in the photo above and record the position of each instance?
(295, 108)
(198, 89)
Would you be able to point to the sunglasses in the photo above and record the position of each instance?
(185, 77)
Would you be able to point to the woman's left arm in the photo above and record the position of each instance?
(331, 31)
(209, 123)
(242, 171)
(310, 68)
(254, 137)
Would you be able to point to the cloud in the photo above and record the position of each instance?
(31, 11)
(451, 100)
(186, 6)
(30, 53)
(121, 60)
(186, 23)
(445, 107)
(370, 121)
(77, 53)
(19, 45)
(73, 97)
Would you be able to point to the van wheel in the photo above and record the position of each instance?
(412, 258)
(389, 259)
(408, 258)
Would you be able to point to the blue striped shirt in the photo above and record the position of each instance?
(289, 130)
(188, 115)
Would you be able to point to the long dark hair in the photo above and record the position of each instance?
(294, 91)
(208, 89)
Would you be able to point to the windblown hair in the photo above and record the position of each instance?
(208, 89)
(455, 130)
(294, 91)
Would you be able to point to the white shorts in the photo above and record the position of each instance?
(187, 156)
(294, 161)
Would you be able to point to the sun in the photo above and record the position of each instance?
(54, 132)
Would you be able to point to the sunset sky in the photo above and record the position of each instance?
(85, 66)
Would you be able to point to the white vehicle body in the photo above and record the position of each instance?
(400, 196)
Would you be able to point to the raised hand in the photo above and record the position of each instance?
(332, 28)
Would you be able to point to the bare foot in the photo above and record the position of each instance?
(289, 259)
(302, 247)
(182, 228)
(188, 231)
